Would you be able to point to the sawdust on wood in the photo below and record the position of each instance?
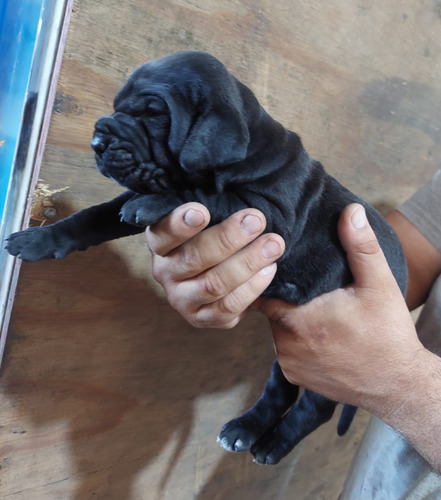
(43, 203)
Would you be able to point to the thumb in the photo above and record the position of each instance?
(365, 256)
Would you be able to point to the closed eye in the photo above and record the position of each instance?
(153, 106)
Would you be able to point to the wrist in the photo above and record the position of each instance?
(425, 391)
(413, 406)
(407, 388)
(396, 384)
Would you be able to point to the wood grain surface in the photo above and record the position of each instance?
(106, 393)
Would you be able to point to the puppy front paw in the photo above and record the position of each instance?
(37, 243)
(145, 210)
(136, 215)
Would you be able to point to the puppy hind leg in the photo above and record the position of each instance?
(278, 395)
(308, 414)
(347, 415)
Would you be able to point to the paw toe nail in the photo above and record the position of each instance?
(238, 445)
(224, 443)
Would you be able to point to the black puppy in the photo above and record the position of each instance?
(184, 129)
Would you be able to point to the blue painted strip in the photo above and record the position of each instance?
(19, 25)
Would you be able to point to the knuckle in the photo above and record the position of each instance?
(228, 307)
(174, 299)
(226, 242)
(158, 272)
(254, 288)
(203, 318)
(153, 242)
(247, 293)
(369, 246)
(196, 322)
(210, 317)
(213, 285)
(231, 324)
(250, 263)
(190, 258)
(180, 299)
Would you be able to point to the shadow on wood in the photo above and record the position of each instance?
(110, 364)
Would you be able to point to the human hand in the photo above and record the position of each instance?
(211, 277)
(357, 344)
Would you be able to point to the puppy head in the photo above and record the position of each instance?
(180, 114)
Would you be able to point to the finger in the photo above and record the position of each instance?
(216, 244)
(365, 256)
(228, 311)
(177, 227)
(221, 280)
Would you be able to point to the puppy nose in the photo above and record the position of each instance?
(99, 144)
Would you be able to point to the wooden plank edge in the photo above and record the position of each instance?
(54, 61)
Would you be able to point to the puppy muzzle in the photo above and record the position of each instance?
(122, 153)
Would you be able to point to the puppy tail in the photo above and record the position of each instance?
(346, 417)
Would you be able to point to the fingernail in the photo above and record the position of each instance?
(251, 224)
(268, 269)
(358, 218)
(193, 218)
(271, 249)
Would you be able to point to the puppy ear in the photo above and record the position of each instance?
(218, 137)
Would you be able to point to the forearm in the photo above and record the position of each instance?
(415, 408)
(417, 411)
(423, 259)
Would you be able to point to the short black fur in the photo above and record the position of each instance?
(184, 129)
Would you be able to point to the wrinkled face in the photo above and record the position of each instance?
(123, 144)
(175, 117)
